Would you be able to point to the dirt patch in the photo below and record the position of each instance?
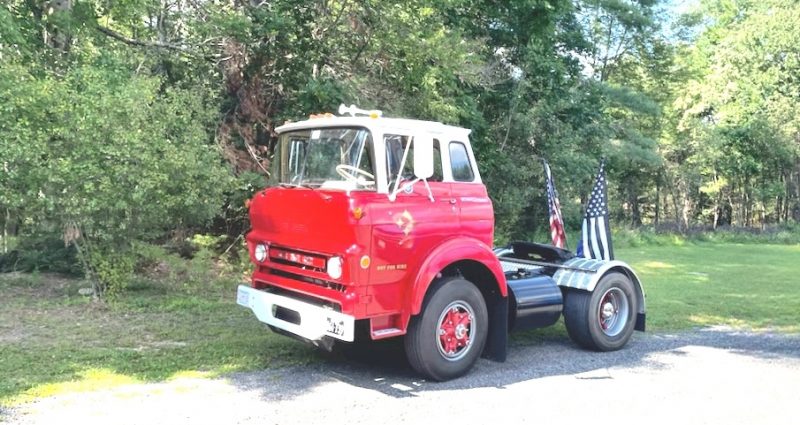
(17, 285)
(12, 334)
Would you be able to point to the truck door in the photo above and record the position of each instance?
(475, 208)
(408, 228)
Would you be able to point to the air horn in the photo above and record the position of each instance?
(354, 111)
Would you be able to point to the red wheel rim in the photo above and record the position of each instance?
(455, 330)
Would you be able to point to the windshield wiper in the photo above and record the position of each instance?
(293, 185)
(284, 184)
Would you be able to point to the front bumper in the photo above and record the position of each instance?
(297, 317)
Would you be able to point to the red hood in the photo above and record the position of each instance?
(314, 220)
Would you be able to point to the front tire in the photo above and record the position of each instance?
(445, 340)
(602, 320)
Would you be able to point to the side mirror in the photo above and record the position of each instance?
(423, 156)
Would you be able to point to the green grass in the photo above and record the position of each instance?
(53, 340)
(748, 286)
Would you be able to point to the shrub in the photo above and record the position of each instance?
(108, 159)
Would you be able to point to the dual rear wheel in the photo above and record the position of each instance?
(602, 320)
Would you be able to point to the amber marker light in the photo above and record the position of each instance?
(365, 262)
(358, 213)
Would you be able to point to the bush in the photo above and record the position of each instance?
(43, 252)
(124, 161)
(783, 234)
(208, 268)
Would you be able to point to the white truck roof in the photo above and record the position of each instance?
(393, 124)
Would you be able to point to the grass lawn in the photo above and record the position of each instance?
(53, 340)
(749, 286)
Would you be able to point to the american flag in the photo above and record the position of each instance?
(595, 232)
(556, 220)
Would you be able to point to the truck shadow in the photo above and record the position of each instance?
(382, 366)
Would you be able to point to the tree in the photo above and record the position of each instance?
(100, 156)
(741, 112)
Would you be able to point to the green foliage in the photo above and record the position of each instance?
(129, 123)
(125, 162)
(97, 155)
(43, 252)
(785, 234)
(736, 121)
(112, 269)
(234, 214)
(203, 270)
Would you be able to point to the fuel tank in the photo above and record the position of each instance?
(535, 301)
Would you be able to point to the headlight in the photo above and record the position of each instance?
(335, 267)
(260, 252)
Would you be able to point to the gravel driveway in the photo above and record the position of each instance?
(710, 376)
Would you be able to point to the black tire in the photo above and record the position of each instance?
(451, 298)
(595, 328)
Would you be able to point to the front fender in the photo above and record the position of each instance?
(456, 249)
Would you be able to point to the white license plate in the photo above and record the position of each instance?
(335, 327)
(243, 298)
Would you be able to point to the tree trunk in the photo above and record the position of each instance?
(55, 37)
(5, 230)
(73, 235)
(7, 218)
(748, 204)
(658, 202)
(633, 201)
(793, 207)
(686, 210)
(676, 209)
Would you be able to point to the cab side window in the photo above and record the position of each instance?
(460, 163)
(437, 162)
(395, 147)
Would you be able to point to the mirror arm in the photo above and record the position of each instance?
(393, 193)
(427, 186)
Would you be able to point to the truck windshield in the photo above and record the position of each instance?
(337, 158)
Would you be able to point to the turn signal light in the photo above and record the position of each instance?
(358, 213)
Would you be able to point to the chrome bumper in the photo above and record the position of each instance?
(312, 322)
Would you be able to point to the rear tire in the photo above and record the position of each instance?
(445, 340)
(602, 320)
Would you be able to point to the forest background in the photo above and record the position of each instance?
(134, 131)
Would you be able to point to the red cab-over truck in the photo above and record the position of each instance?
(376, 228)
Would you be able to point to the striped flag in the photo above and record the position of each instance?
(595, 232)
(556, 220)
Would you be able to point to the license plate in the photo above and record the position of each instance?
(243, 298)
(335, 327)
